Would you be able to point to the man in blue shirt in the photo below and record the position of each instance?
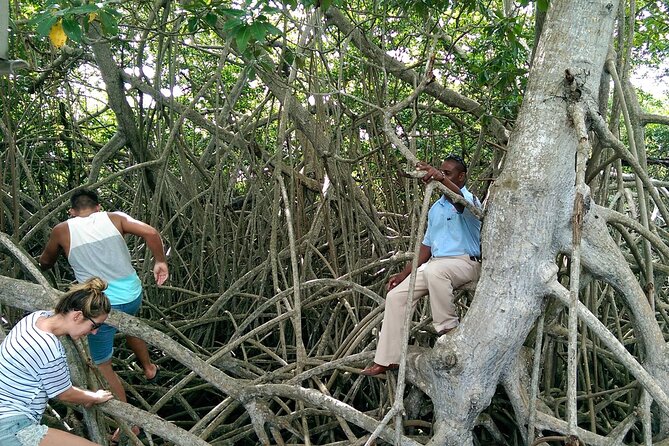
(449, 257)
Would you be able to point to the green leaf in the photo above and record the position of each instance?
(258, 31)
(109, 23)
(191, 25)
(271, 29)
(265, 62)
(44, 26)
(542, 5)
(243, 38)
(72, 29)
(37, 18)
(289, 56)
(232, 24)
(271, 9)
(229, 12)
(84, 9)
(113, 12)
(211, 19)
(421, 9)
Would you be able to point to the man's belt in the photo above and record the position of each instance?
(475, 258)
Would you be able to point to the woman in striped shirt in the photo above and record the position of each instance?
(33, 367)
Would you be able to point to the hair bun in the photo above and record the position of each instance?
(96, 284)
(87, 297)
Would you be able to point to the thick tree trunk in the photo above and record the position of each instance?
(537, 183)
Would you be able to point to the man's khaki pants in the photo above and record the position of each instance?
(438, 277)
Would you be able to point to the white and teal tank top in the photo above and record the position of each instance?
(97, 248)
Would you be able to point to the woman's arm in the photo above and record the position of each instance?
(85, 397)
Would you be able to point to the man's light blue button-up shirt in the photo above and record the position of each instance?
(451, 233)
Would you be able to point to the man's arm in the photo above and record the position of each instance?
(153, 240)
(52, 249)
(432, 173)
(423, 256)
(87, 398)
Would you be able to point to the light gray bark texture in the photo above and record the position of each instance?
(462, 372)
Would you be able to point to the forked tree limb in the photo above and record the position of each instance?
(604, 260)
(650, 383)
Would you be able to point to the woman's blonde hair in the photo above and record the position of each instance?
(87, 297)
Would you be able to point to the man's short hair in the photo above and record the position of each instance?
(458, 159)
(84, 199)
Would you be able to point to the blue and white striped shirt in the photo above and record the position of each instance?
(33, 369)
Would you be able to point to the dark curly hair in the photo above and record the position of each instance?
(84, 199)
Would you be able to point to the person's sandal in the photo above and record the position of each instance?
(152, 380)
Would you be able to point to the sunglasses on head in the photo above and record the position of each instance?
(458, 159)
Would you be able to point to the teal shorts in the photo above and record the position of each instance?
(101, 344)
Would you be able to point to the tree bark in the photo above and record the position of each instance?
(125, 117)
(463, 369)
